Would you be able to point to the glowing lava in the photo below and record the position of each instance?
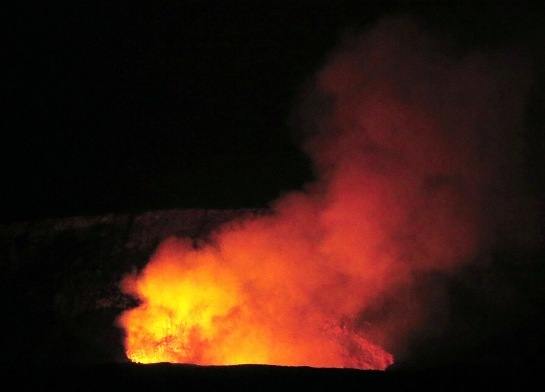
(196, 308)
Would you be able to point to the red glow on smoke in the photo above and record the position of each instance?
(406, 144)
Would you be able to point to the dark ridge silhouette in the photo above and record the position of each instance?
(131, 377)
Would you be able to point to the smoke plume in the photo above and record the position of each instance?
(416, 147)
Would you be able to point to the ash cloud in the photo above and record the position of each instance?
(417, 149)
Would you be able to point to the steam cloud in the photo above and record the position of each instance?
(417, 151)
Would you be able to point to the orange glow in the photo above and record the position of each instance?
(246, 299)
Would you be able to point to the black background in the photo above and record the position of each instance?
(119, 107)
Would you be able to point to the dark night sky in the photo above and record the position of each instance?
(123, 108)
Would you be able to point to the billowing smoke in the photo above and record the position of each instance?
(416, 148)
